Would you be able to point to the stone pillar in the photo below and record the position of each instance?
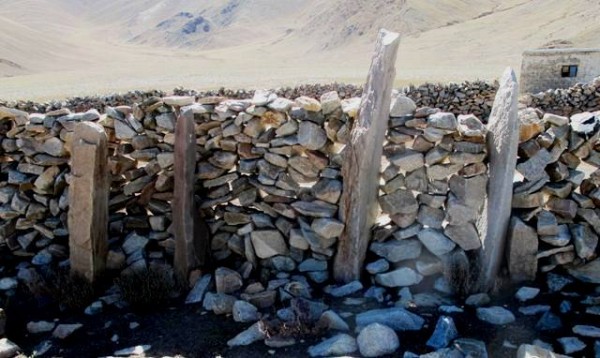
(362, 160)
(191, 240)
(502, 144)
(88, 201)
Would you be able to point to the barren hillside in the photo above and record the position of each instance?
(54, 48)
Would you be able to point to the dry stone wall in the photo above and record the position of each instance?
(268, 184)
(556, 193)
(434, 178)
(583, 97)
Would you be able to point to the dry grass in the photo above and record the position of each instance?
(149, 289)
(70, 291)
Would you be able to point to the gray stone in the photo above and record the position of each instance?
(219, 303)
(396, 251)
(310, 265)
(332, 321)
(264, 97)
(495, 315)
(328, 190)
(430, 217)
(522, 247)
(436, 242)
(478, 300)
(7, 348)
(534, 309)
(396, 318)
(245, 312)
(584, 123)
(378, 266)
(404, 276)
(399, 202)
(408, 160)
(200, 288)
(254, 333)
(62, 331)
(585, 241)
(227, 280)
(344, 290)
(54, 146)
(315, 208)
(133, 351)
(470, 126)
(527, 293)
(134, 243)
(327, 228)
(445, 332)
(330, 101)
(311, 136)
(338, 345)
(571, 344)
(587, 331)
(376, 340)
(589, 272)
(442, 120)
(557, 282)
(549, 322)
(465, 236)
(8, 283)
(268, 243)
(530, 351)
(166, 121)
(547, 224)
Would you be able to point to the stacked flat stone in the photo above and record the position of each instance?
(34, 156)
(555, 216)
(434, 178)
(582, 97)
(459, 98)
(269, 168)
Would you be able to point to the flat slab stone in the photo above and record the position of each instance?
(396, 318)
(495, 315)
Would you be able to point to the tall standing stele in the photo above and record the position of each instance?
(361, 166)
(502, 143)
(88, 201)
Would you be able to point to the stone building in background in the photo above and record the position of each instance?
(544, 69)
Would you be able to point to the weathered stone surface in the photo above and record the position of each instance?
(245, 312)
(522, 248)
(201, 286)
(396, 318)
(268, 243)
(436, 242)
(396, 251)
(587, 331)
(338, 345)
(376, 340)
(88, 201)
(589, 272)
(529, 351)
(408, 160)
(254, 333)
(445, 332)
(530, 125)
(465, 236)
(8, 349)
(327, 228)
(401, 105)
(502, 144)
(311, 136)
(585, 240)
(404, 276)
(191, 238)
(470, 126)
(360, 172)
(495, 315)
(399, 202)
(442, 120)
(227, 280)
(62, 331)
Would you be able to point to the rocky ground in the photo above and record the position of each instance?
(557, 314)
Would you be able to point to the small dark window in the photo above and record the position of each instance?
(569, 71)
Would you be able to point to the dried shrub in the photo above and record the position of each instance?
(461, 272)
(149, 288)
(71, 291)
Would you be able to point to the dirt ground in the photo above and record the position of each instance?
(187, 331)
